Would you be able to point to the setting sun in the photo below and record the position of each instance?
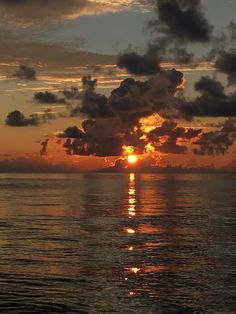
(132, 159)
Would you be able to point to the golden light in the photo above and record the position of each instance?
(135, 270)
(130, 231)
(127, 150)
(151, 122)
(132, 159)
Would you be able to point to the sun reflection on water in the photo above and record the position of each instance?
(132, 195)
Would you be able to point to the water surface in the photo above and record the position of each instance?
(117, 243)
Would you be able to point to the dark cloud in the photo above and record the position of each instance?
(183, 20)
(210, 87)
(214, 143)
(218, 142)
(213, 101)
(112, 146)
(93, 104)
(142, 98)
(48, 98)
(223, 52)
(17, 118)
(177, 22)
(72, 94)
(182, 56)
(72, 132)
(166, 137)
(44, 144)
(226, 63)
(134, 100)
(114, 121)
(25, 72)
(134, 63)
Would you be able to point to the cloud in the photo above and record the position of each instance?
(223, 52)
(31, 12)
(210, 87)
(165, 138)
(105, 134)
(177, 22)
(134, 63)
(93, 104)
(226, 63)
(25, 72)
(48, 98)
(183, 20)
(213, 101)
(72, 132)
(44, 144)
(218, 142)
(17, 119)
(72, 94)
(42, 55)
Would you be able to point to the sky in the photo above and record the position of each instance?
(85, 83)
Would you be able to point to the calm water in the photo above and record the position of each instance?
(117, 243)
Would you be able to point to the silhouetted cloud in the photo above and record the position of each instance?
(210, 87)
(48, 98)
(147, 64)
(25, 72)
(17, 118)
(213, 101)
(72, 94)
(93, 104)
(114, 121)
(218, 142)
(165, 138)
(223, 52)
(183, 20)
(72, 132)
(226, 63)
(177, 22)
(44, 144)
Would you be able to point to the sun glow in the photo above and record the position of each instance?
(132, 159)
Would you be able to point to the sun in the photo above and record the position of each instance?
(132, 159)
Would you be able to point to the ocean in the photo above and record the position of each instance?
(117, 243)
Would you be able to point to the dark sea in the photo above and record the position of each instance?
(117, 243)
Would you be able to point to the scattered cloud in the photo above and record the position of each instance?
(25, 72)
(48, 98)
(17, 118)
